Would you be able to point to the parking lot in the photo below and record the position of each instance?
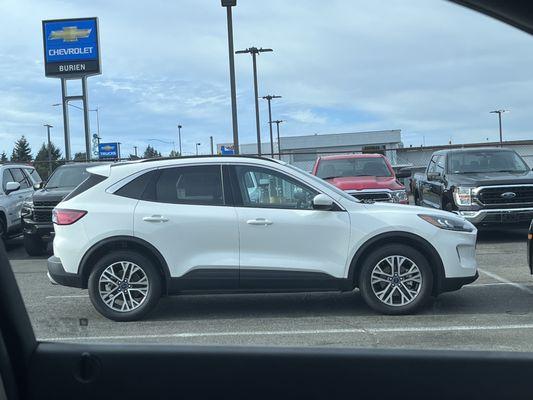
(493, 313)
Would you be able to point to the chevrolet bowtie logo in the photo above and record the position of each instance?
(107, 148)
(70, 34)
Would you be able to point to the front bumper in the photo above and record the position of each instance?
(58, 275)
(43, 229)
(497, 217)
(451, 284)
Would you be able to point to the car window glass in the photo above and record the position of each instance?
(273, 189)
(6, 177)
(190, 185)
(432, 164)
(439, 166)
(356, 166)
(19, 177)
(33, 174)
(137, 186)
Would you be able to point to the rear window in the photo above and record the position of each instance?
(88, 183)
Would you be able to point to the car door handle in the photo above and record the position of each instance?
(259, 221)
(155, 218)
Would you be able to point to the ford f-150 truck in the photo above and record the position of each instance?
(490, 187)
(367, 177)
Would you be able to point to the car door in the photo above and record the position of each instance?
(16, 198)
(186, 215)
(437, 184)
(425, 185)
(285, 243)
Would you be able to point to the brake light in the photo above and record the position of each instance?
(66, 217)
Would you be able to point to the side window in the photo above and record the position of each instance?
(432, 164)
(200, 184)
(6, 177)
(261, 187)
(33, 174)
(440, 164)
(19, 177)
(136, 188)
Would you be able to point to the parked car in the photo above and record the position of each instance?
(17, 186)
(367, 177)
(530, 247)
(490, 187)
(131, 233)
(36, 212)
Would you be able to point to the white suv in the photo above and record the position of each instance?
(132, 233)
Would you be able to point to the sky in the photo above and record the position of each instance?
(428, 67)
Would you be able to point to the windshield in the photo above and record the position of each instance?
(348, 167)
(67, 177)
(470, 162)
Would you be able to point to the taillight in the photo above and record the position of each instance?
(66, 217)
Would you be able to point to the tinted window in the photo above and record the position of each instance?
(67, 177)
(88, 183)
(261, 187)
(137, 186)
(6, 177)
(19, 177)
(190, 185)
(347, 167)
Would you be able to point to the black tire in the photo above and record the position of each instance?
(34, 245)
(149, 302)
(416, 198)
(425, 289)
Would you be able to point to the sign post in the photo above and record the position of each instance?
(72, 51)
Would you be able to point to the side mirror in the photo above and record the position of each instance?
(12, 187)
(434, 176)
(403, 173)
(38, 185)
(322, 202)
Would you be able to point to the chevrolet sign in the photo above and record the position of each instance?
(71, 47)
(108, 150)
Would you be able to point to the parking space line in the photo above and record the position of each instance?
(492, 275)
(67, 296)
(488, 284)
(301, 332)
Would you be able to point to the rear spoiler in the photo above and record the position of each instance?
(102, 170)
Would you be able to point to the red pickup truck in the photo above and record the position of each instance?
(368, 177)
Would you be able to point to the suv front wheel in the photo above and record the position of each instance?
(124, 286)
(396, 279)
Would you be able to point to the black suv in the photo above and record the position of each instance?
(37, 213)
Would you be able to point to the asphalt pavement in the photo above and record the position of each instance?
(493, 313)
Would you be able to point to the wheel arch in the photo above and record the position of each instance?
(141, 246)
(399, 237)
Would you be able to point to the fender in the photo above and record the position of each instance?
(423, 246)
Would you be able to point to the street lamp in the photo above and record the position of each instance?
(269, 99)
(228, 4)
(499, 112)
(254, 51)
(277, 122)
(179, 138)
(48, 126)
(197, 144)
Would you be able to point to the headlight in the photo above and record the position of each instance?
(448, 223)
(27, 208)
(399, 196)
(463, 196)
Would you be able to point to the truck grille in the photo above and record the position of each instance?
(42, 210)
(372, 196)
(501, 195)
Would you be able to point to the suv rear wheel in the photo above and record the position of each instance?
(124, 286)
(396, 279)
(34, 245)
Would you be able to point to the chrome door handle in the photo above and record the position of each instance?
(259, 221)
(155, 218)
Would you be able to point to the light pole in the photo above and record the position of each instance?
(499, 112)
(228, 4)
(135, 150)
(179, 138)
(269, 99)
(277, 122)
(48, 126)
(254, 51)
(197, 144)
(211, 143)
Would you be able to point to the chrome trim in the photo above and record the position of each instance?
(479, 215)
(476, 190)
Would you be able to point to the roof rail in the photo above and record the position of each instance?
(209, 156)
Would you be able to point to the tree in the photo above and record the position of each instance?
(79, 156)
(3, 157)
(174, 154)
(22, 151)
(150, 152)
(41, 160)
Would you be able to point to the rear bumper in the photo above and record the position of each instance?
(58, 275)
(498, 217)
(451, 284)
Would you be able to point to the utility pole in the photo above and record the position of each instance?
(499, 112)
(211, 142)
(197, 144)
(254, 51)
(269, 98)
(135, 150)
(228, 4)
(48, 126)
(277, 122)
(179, 138)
